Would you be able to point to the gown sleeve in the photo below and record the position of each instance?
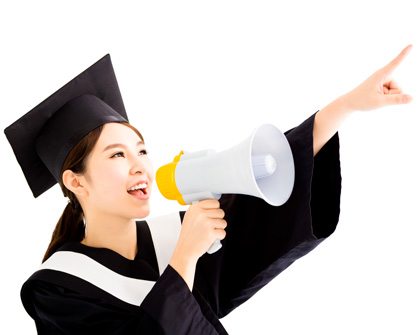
(263, 240)
(169, 308)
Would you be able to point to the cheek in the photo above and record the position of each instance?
(106, 180)
(113, 180)
(150, 170)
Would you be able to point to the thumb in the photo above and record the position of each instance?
(397, 99)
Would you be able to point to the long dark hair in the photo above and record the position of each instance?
(70, 226)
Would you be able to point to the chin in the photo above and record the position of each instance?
(142, 212)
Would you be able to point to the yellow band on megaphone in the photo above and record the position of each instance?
(165, 180)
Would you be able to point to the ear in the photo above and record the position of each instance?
(74, 183)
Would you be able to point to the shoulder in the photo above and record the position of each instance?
(59, 306)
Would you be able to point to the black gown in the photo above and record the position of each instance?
(261, 242)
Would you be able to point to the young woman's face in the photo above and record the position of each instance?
(119, 174)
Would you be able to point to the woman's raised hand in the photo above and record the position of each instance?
(380, 89)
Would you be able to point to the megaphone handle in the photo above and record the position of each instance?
(214, 247)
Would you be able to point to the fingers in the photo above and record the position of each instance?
(392, 87)
(393, 94)
(397, 60)
(212, 208)
(209, 203)
(220, 234)
(397, 99)
(215, 213)
(216, 224)
(220, 224)
(202, 225)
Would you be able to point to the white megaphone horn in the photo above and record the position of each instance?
(261, 166)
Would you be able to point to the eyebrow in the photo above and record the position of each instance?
(119, 145)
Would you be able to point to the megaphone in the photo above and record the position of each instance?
(261, 166)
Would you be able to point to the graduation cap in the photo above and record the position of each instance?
(42, 138)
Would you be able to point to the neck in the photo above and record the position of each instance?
(117, 234)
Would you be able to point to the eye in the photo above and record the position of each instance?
(118, 154)
(143, 152)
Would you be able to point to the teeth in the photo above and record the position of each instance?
(137, 187)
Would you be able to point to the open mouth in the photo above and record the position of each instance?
(139, 189)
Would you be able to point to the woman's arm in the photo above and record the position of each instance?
(202, 225)
(377, 91)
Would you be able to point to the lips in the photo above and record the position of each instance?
(139, 190)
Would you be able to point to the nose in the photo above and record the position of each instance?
(138, 165)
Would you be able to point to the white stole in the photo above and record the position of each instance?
(165, 232)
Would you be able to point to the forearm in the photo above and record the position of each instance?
(185, 266)
(328, 120)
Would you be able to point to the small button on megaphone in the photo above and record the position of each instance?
(261, 166)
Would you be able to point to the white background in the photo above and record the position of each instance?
(197, 75)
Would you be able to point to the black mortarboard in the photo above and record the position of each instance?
(42, 138)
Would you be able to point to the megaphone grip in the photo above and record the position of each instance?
(214, 247)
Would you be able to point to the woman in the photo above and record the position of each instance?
(104, 272)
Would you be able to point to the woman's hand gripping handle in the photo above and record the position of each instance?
(203, 224)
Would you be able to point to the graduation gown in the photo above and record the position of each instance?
(261, 242)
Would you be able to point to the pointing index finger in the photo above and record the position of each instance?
(397, 60)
